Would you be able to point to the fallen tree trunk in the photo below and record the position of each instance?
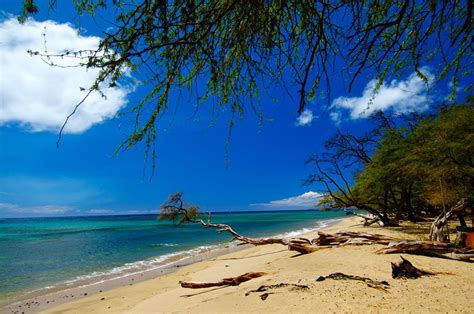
(433, 249)
(436, 231)
(405, 269)
(231, 281)
(381, 285)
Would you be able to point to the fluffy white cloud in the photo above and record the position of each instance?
(398, 96)
(305, 118)
(39, 97)
(304, 201)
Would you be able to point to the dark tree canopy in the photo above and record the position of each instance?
(232, 47)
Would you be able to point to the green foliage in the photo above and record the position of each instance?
(414, 168)
(446, 155)
(174, 209)
(237, 48)
(400, 172)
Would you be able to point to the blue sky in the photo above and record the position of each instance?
(82, 177)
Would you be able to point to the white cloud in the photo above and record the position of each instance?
(99, 211)
(304, 201)
(118, 212)
(399, 97)
(46, 210)
(336, 117)
(39, 97)
(305, 118)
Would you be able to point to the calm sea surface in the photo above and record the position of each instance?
(40, 252)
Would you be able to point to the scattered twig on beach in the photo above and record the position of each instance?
(380, 285)
(265, 288)
(231, 281)
(405, 269)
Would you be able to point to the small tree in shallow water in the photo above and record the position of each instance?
(175, 209)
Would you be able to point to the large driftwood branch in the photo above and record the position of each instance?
(350, 237)
(368, 220)
(326, 240)
(436, 231)
(231, 281)
(427, 248)
(405, 269)
(380, 285)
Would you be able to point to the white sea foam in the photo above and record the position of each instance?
(130, 269)
(164, 244)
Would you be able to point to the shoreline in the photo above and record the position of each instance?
(48, 297)
(448, 291)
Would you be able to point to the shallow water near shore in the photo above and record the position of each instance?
(44, 253)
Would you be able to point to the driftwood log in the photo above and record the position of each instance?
(380, 285)
(405, 269)
(326, 240)
(231, 281)
(368, 220)
(436, 231)
(350, 237)
(433, 249)
(304, 246)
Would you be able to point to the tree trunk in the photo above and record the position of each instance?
(426, 248)
(437, 233)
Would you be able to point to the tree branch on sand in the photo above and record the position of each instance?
(175, 209)
(265, 288)
(405, 269)
(380, 285)
(231, 281)
(432, 249)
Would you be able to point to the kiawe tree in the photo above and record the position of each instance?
(235, 49)
(398, 172)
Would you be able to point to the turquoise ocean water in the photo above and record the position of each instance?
(43, 252)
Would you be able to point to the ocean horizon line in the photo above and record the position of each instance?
(157, 214)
